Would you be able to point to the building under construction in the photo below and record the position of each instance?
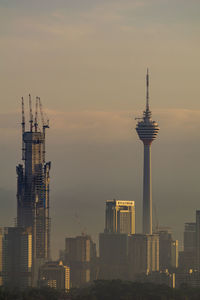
(33, 186)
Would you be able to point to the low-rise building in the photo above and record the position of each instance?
(55, 275)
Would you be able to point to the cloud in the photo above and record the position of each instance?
(107, 126)
(73, 18)
(96, 126)
(93, 159)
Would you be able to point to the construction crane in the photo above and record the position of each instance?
(23, 130)
(36, 115)
(45, 124)
(31, 114)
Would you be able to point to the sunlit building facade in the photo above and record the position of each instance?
(143, 254)
(55, 275)
(120, 216)
(80, 256)
(17, 257)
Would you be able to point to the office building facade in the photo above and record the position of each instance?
(143, 254)
(120, 216)
(55, 275)
(113, 256)
(16, 257)
(80, 256)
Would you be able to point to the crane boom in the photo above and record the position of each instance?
(44, 126)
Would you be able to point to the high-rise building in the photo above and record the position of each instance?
(143, 254)
(190, 237)
(168, 250)
(113, 255)
(55, 275)
(120, 216)
(113, 243)
(165, 249)
(147, 131)
(16, 257)
(198, 240)
(1, 255)
(80, 256)
(188, 257)
(174, 254)
(33, 187)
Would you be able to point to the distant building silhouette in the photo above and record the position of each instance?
(80, 256)
(16, 257)
(54, 275)
(198, 240)
(168, 250)
(174, 254)
(189, 258)
(113, 256)
(143, 254)
(190, 237)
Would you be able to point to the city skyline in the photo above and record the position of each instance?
(93, 89)
(139, 216)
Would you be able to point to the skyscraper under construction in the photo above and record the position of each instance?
(33, 186)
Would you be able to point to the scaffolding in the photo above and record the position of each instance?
(33, 185)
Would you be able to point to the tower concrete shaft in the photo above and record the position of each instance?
(147, 131)
(147, 191)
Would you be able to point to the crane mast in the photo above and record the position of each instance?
(31, 114)
(23, 129)
(36, 114)
(44, 126)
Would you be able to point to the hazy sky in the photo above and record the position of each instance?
(87, 61)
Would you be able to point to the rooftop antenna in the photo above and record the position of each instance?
(31, 114)
(23, 129)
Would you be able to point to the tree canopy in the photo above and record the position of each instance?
(105, 290)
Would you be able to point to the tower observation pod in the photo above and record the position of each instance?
(147, 131)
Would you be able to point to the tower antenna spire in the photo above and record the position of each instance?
(147, 90)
